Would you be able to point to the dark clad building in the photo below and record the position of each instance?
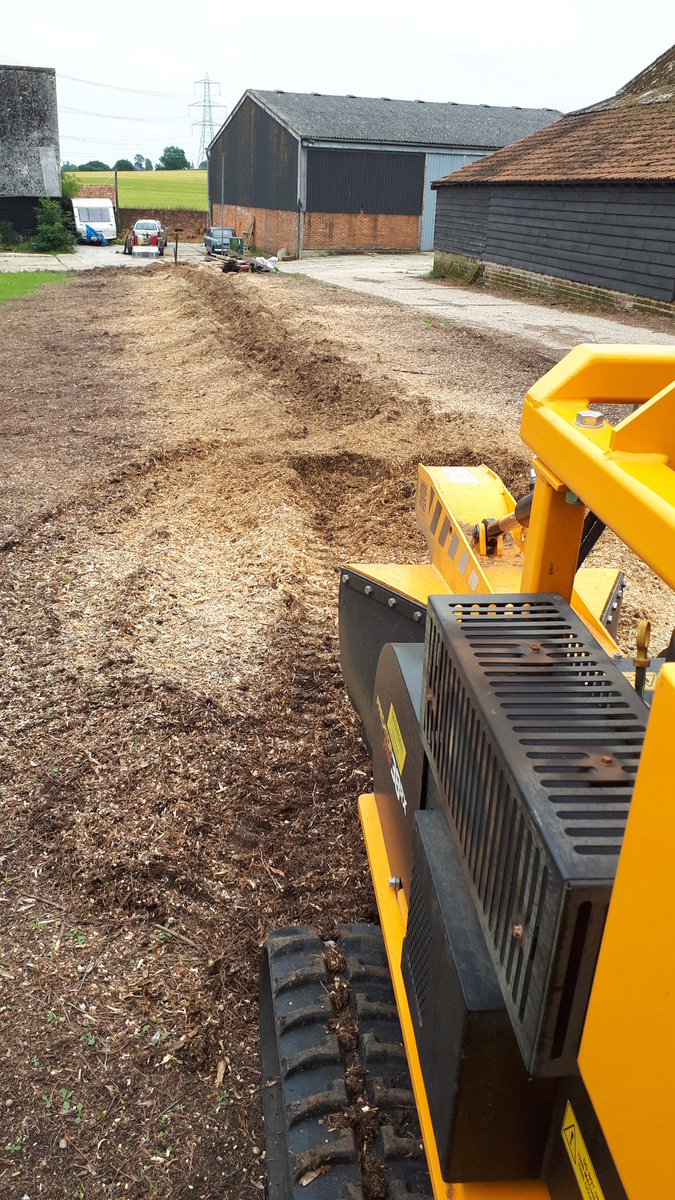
(590, 198)
(347, 172)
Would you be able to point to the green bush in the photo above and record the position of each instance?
(53, 235)
(70, 185)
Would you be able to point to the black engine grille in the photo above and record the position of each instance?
(534, 737)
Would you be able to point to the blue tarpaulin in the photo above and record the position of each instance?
(92, 235)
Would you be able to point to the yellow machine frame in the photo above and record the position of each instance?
(625, 474)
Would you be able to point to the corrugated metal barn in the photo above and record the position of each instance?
(314, 172)
(590, 199)
(29, 143)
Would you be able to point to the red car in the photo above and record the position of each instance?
(145, 236)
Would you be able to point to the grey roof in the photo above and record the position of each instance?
(404, 122)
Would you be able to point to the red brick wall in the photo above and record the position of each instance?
(360, 231)
(274, 228)
(100, 191)
(193, 224)
(566, 291)
(322, 231)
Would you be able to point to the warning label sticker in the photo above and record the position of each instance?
(461, 475)
(579, 1157)
(392, 731)
(397, 743)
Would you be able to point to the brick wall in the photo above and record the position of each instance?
(321, 231)
(193, 224)
(99, 191)
(520, 282)
(273, 230)
(566, 291)
(361, 231)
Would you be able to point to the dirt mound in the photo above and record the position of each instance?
(188, 458)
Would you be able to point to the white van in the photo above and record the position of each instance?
(99, 215)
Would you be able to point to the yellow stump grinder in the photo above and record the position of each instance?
(508, 1033)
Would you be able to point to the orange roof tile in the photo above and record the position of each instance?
(631, 136)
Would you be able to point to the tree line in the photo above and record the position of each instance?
(172, 159)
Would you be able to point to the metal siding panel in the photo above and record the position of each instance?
(364, 181)
(261, 162)
(438, 165)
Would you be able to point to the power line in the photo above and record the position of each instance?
(72, 137)
(116, 88)
(85, 112)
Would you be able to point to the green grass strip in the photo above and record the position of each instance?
(22, 283)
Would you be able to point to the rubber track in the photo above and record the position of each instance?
(398, 1145)
(313, 1152)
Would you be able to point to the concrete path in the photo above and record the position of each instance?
(86, 258)
(401, 278)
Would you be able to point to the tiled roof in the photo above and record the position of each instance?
(403, 122)
(630, 136)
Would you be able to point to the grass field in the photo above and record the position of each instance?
(155, 189)
(12, 286)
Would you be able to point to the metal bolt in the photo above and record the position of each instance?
(606, 760)
(368, 590)
(417, 616)
(392, 602)
(395, 881)
(588, 419)
(535, 647)
(345, 578)
(517, 932)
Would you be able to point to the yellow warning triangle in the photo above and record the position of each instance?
(570, 1135)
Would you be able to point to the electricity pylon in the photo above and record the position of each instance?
(206, 124)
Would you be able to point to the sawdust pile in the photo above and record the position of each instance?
(187, 459)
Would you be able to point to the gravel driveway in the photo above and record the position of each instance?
(403, 279)
(86, 258)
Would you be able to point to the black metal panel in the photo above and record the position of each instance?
(534, 737)
(491, 1120)
(618, 236)
(574, 1116)
(370, 616)
(364, 181)
(254, 162)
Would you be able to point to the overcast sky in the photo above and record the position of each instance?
(537, 55)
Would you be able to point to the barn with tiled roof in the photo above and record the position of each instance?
(590, 198)
(316, 172)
